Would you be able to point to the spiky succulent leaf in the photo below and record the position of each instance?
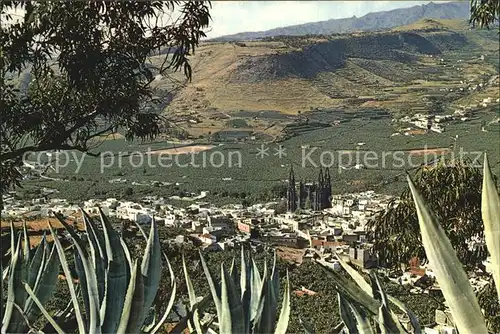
(388, 321)
(151, 268)
(308, 328)
(214, 289)
(356, 276)
(45, 284)
(37, 262)
(245, 288)
(89, 286)
(490, 209)
(256, 290)
(134, 301)
(26, 244)
(173, 286)
(284, 317)
(15, 277)
(69, 281)
(449, 272)
(43, 310)
(346, 315)
(97, 254)
(195, 321)
(116, 276)
(351, 290)
(413, 318)
(231, 317)
(362, 322)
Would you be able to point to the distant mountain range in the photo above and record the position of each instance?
(370, 21)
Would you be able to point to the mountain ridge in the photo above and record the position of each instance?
(371, 21)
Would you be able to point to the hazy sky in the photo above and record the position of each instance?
(231, 17)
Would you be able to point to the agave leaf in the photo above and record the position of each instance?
(183, 323)
(116, 277)
(232, 317)
(339, 328)
(245, 288)
(97, 235)
(90, 286)
(411, 315)
(42, 309)
(80, 271)
(346, 315)
(308, 328)
(151, 268)
(37, 262)
(189, 283)
(356, 276)
(18, 322)
(192, 298)
(171, 301)
(69, 280)
(450, 274)
(26, 248)
(284, 318)
(275, 278)
(268, 315)
(235, 275)
(256, 290)
(352, 291)
(362, 322)
(15, 277)
(45, 285)
(490, 209)
(244, 273)
(134, 301)
(387, 320)
(211, 284)
(97, 255)
(5, 272)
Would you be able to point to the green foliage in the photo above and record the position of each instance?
(458, 291)
(489, 302)
(484, 13)
(364, 306)
(246, 302)
(453, 191)
(88, 68)
(37, 270)
(355, 299)
(117, 291)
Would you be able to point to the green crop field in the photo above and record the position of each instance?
(233, 171)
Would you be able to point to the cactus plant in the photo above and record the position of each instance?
(245, 303)
(37, 270)
(117, 291)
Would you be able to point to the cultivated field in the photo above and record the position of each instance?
(183, 150)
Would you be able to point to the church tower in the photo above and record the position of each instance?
(291, 198)
(328, 189)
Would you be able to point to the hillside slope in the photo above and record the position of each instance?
(397, 71)
(370, 21)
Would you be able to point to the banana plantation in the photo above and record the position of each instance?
(114, 286)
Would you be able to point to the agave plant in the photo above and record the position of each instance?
(246, 302)
(364, 306)
(38, 270)
(117, 292)
(355, 300)
(449, 272)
